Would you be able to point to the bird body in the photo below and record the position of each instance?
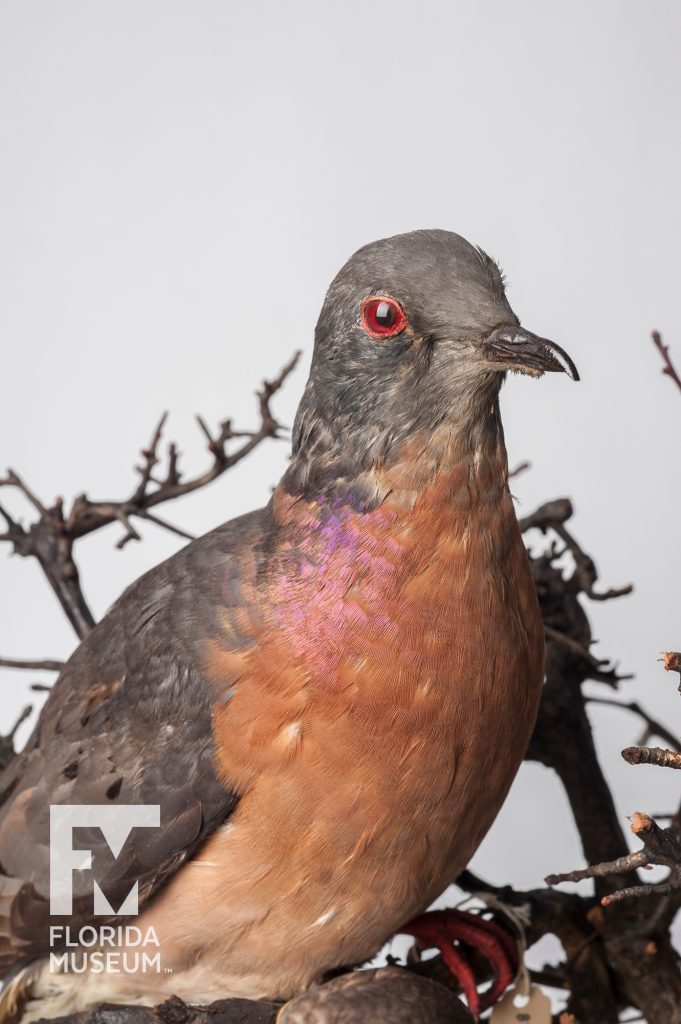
(374, 731)
(329, 698)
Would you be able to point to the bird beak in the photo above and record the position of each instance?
(520, 350)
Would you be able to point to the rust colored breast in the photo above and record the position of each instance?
(402, 660)
(373, 727)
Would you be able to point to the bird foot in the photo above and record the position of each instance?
(453, 932)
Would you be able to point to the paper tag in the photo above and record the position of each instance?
(537, 1009)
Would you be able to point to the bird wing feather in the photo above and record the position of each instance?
(129, 721)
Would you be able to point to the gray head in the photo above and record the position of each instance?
(415, 331)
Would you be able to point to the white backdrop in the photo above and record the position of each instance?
(180, 181)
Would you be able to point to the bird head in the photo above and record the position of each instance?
(415, 334)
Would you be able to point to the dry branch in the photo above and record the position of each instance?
(626, 958)
(51, 537)
(44, 665)
(668, 368)
(653, 726)
(553, 516)
(7, 740)
(661, 848)
(657, 755)
(652, 755)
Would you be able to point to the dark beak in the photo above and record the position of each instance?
(518, 349)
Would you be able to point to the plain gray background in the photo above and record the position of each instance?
(180, 181)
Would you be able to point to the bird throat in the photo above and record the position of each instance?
(421, 548)
(466, 453)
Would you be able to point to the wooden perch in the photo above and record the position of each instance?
(387, 995)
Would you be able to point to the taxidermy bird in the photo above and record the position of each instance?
(328, 698)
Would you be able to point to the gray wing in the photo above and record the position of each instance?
(128, 722)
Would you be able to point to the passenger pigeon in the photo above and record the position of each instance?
(329, 697)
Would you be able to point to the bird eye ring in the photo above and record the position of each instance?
(383, 317)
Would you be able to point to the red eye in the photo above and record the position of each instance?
(382, 317)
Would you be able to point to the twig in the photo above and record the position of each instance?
(653, 727)
(641, 754)
(668, 369)
(619, 969)
(557, 511)
(598, 673)
(23, 715)
(672, 663)
(7, 741)
(610, 867)
(165, 525)
(661, 847)
(585, 570)
(48, 541)
(652, 755)
(150, 460)
(552, 516)
(46, 665)
(15, 531)
(52, 536)
(87, 515)
(14, 480)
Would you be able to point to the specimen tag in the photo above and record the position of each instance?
(537, 1009)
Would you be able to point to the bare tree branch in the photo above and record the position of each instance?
(652, 755)
(653, 727)
(518, 470)
(661, 847)
(51, 538)
(45, 665)
(553, 516)
(668, 368)
(7, 741)
(49, 541)
(624, 971)
(14, 480)
(87, 515)
(598, 672)
(639, 754)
